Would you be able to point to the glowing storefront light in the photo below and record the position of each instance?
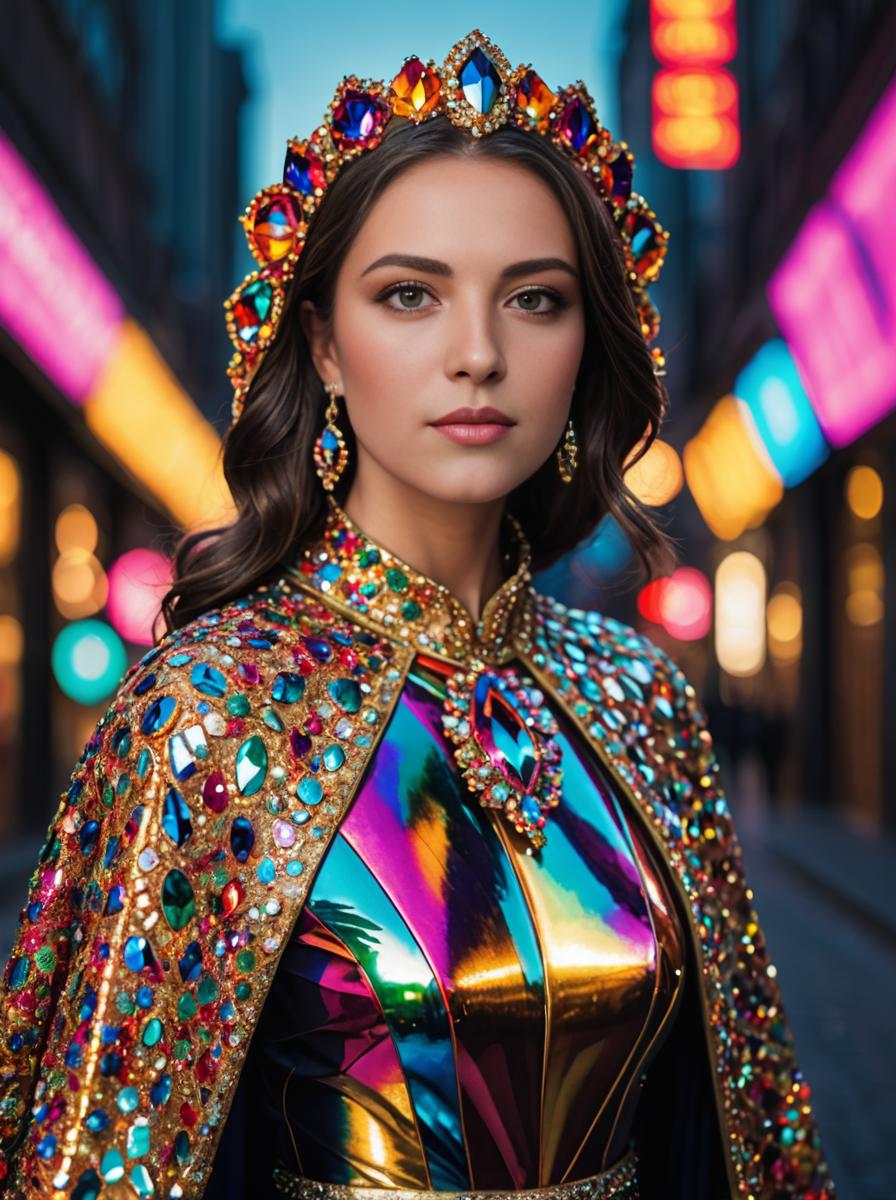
(834, 293)
(657, 477)
(771, 388)
(784, 623)
(685, 604)
(729, 472)
(88, 659)
(137, 582)
(740, 627)
(695, 99)
(864, 492)
(67, 317)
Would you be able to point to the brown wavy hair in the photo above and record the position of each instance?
(267, 454)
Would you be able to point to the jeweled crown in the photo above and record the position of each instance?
(477, 90)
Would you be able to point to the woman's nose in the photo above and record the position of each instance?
(474, 346)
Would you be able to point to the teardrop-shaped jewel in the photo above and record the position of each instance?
(178, 901)
(176, 817)
(251, 765)
(503, 735)
(480, 81)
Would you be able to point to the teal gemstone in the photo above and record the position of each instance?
(238, 705)
(112, 1166)
(207, 991)
(410, 610)
(266, 871)
(128, 1099)
(334, 757)
(288, 687)
(251, 765)
(138, 1141)
(142, 1182)
(346, 693)
(152, 1034)
(178, 901)
(309, 791)
(272, 721)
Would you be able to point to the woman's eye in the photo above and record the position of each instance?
(530, 299)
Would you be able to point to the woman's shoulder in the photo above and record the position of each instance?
(610, 646)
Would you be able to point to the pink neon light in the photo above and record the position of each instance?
(137, 582)
(834, 293)
(685, 604)
(863, 188)
(843, 344)
(53, 300)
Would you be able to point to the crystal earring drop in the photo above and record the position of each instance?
(330, 452)
(568, 454)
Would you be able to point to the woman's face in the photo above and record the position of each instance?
(460, 291)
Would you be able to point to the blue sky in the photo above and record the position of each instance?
(295, 57)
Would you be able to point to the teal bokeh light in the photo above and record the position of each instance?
(88, 660)
(771, 388)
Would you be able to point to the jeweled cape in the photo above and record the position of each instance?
(149, 941)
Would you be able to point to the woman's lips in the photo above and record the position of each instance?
(474, 433)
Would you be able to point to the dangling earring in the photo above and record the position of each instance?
(568, 454)
(330, 452)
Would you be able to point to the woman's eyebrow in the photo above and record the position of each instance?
(434, 266)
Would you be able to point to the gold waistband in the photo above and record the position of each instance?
(618, 1182)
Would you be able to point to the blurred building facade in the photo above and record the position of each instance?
(120, 156)
(816, 704)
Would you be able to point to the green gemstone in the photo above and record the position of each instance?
(45, 960)
(178, 900)
(238, 705)
(207, 990)
(251, 765)
(369, 558)
(181, 1049)
(245, 961)
(410, 609)
(397, 580)
(186, 1007)
(243, 991)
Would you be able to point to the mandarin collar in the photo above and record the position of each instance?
(357, 575)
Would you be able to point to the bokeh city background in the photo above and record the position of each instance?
(132, 135)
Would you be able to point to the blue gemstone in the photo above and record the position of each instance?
(160, 1091)
(502, 732)
(115, 900)
(530, 810)
(97, 1120)
(288, 687)
(159, 714)
(321, 650)
(480, 81)
(176, 817)
(355, 117)
(329, 441)
(144, 684)
(242, 838)
(266, 871)
(88, 837)
(19, 972)
(137, 953)
(191, 963)
(208, 680)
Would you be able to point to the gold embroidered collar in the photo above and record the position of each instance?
(359, 576)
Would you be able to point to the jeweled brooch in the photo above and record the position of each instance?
(503, 736)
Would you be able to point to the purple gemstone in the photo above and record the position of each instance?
(577, 125)
(356, 117)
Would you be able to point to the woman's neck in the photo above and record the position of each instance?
(455, 544)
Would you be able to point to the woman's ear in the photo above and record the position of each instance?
(320, 342)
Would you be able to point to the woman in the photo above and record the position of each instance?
(382, 870)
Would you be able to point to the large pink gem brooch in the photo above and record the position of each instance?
(503, 740)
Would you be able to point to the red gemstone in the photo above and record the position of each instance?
(232, 897)
(275, 225)
(358, 118)
(214, 792)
